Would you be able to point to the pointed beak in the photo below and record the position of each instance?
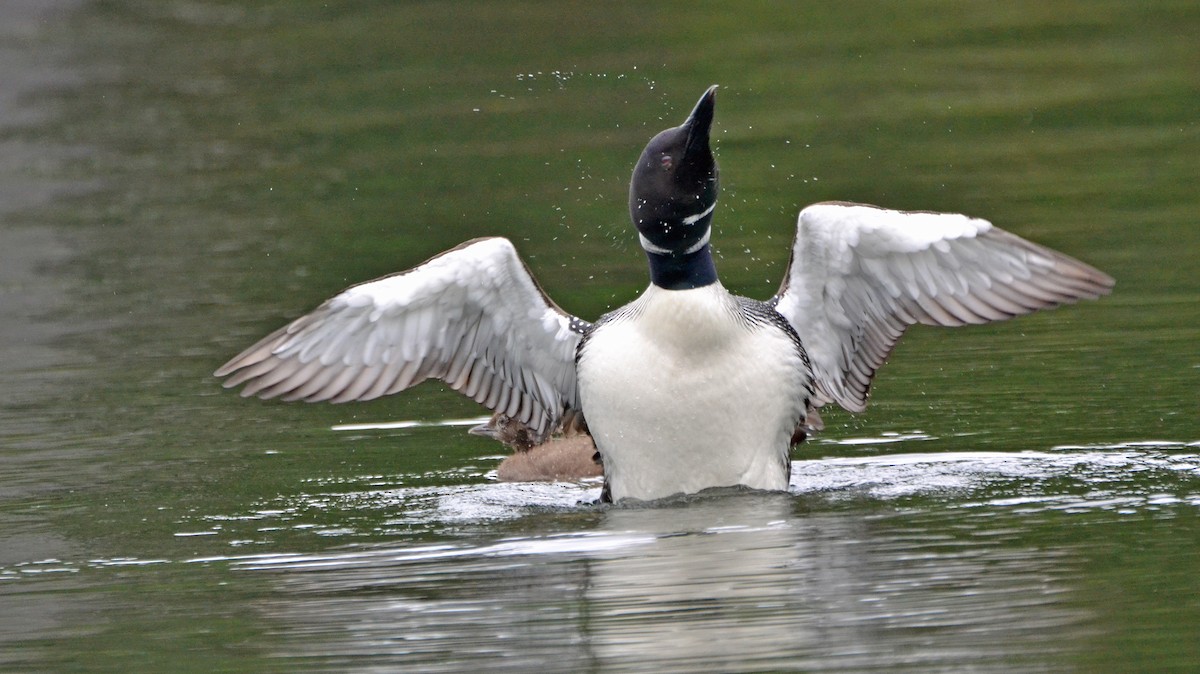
(699, 123)
(486, 430)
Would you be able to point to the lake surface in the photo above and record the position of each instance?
(179, 178)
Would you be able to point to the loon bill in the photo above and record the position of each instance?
(689, 386)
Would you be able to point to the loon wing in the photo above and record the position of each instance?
(860, 275)
(473, 317)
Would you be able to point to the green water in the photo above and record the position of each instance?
(177, 179)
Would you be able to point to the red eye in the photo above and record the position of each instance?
(666, 161)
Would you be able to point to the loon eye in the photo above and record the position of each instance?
(666, 161)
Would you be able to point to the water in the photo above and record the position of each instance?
(177, 179)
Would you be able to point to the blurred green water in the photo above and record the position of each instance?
(214, 169)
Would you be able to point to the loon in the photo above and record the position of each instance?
(689, 386)
(571, 457)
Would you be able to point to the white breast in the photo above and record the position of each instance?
(681, 393)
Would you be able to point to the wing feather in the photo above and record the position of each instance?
(860, 275)
(315, 383)
(472, 316)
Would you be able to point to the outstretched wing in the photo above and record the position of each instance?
(473, 317)
(860, 275)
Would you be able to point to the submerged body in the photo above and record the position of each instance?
(690, 389)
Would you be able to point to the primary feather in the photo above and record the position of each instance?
(472, 316)
(860, 275)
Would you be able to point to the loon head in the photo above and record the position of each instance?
(671, 200)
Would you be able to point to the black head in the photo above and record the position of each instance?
(674, 186)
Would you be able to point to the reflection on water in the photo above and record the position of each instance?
(902, 562)
(1071, 480)
(737, 584)
(724, 581)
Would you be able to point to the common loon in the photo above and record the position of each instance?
(689, 386)
(569, 456)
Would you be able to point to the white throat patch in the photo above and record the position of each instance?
(693, 219)
(649, 247)
(689, 220)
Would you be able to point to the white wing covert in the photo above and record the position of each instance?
(860, 275)
(473, 317)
